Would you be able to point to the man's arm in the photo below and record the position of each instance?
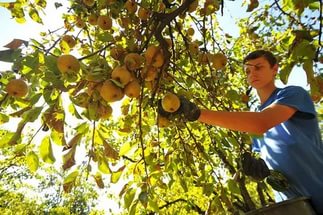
(251, 122)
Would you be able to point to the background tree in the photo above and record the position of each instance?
(85, 97)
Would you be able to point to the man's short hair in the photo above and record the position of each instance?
(261, 53)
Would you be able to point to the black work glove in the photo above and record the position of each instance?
(187, 109)
(254, 167)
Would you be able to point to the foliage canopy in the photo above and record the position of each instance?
(165, 46)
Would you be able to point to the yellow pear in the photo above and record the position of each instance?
(89, 3)
(122, 75)
(170, 102)
(69, 40)
(111, 92)
(68, 64)
(93, 19)
(104, 22)
(154, 56)
(219, 61)
(117, 52)
(104, 111)
(133, 61)
(163, 122)
(190, 31)
(149, 73)
(132, 89)
(143, 13)
(130, 6)
(17, 88)
(79, 22)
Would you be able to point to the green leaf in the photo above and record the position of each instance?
(285, 72)
(69, 181)
(308, 67)
(305, 50)
(125, 148)
(233, 186)
(9, 55)
(105, 37)
(5, 137)
(32, 161)
(33, 14)
(46, 151)
(3, 118)
(314, 5)
(32, 115)
(143, 198)
(58, 138)
(153, 205)
(133, 208)
(128, 197)
(103, 165)
(116, 175)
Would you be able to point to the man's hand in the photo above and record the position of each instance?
(254, 167)
(187, 109)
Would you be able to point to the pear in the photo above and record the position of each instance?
(149, 73)
(104, 22)
(143, 13)
(133, 61)
(154, 56)
(17, 88)
(219, 61)
(111, 92)
(122, 75)
(104, 111)
(170, 102)
(162, 122)
(68, 64)
(132, 89)
(117, 52)
(69, 40)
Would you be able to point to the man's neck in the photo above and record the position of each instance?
(265, 92)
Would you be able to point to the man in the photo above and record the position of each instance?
(290, 139)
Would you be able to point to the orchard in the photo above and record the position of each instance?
(83, 100)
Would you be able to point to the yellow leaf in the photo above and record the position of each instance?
(32, 161)
(46, 151)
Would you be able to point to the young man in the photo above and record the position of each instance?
(290, 139)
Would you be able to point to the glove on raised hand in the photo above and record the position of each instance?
(188, 109)
(254, 167)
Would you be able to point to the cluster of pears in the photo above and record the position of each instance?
(217, 60)
(124, 77)
(123, 80)
(17, 88)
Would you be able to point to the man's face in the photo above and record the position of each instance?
(260, 73)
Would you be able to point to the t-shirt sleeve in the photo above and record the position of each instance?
(298, 98)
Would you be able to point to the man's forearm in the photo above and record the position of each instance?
(251, 122)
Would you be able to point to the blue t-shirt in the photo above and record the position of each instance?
(295, 147)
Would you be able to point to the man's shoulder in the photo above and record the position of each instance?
(297, 90)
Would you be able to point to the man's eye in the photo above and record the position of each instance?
(258, 67)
